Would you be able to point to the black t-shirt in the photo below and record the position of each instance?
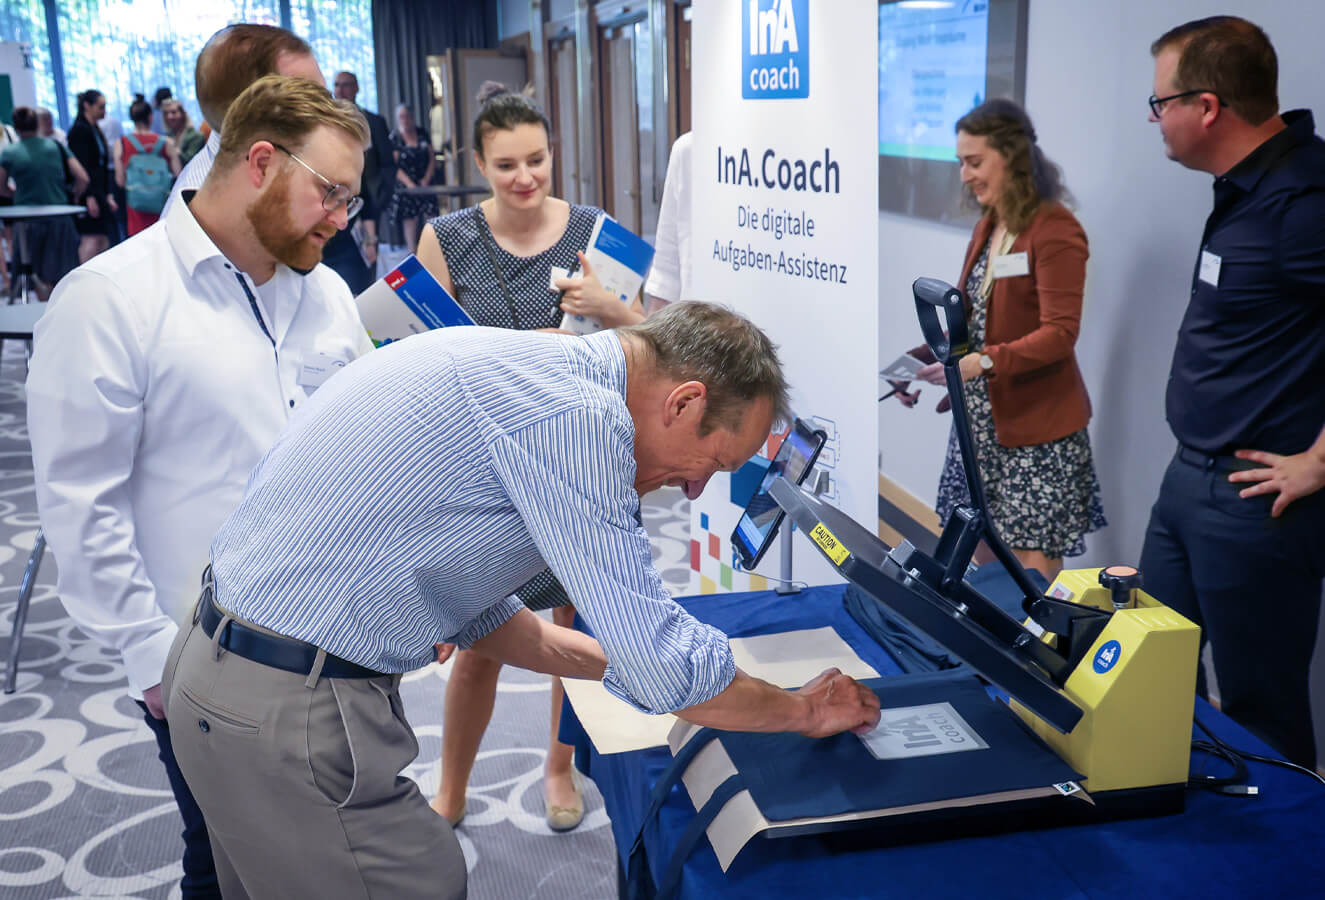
(1249, 366)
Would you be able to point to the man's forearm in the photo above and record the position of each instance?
(750, 704)
(529, 642)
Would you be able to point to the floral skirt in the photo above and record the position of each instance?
(1042, 497)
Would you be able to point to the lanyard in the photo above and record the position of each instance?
(253, 304)
(489, 244)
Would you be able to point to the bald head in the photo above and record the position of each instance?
(238, 55)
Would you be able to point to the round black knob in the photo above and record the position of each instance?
(1121, 581)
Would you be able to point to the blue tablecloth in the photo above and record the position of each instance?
(1271, 846)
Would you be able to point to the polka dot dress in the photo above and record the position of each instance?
(462, 235)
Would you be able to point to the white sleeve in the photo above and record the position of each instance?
(665, 276)
(365, 344)
(341, 297)
(85, 391)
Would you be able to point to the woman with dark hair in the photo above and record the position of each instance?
(415, 161)
(88, 146)
(501, 260)
(1023, 278)
(498, 258)
(149, 186)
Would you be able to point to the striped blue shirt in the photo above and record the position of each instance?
(421, 485)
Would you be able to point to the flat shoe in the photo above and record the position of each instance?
(567, 818)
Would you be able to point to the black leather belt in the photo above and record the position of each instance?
(276, 651)
(1221, 462)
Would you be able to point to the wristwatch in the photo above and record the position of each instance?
(986, 363)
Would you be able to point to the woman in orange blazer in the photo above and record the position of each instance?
(1024, 274)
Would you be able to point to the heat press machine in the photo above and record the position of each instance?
(1075, 708)
(1102, 672)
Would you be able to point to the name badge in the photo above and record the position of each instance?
(317, 369)
(1210, 264)
(1012, 264)
(556, 275)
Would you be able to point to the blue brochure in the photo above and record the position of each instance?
(408, 301)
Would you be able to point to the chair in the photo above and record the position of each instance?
(21, 612)
(17, 322)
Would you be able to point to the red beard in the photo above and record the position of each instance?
(270, 217)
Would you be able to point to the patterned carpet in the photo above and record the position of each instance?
(84, 806)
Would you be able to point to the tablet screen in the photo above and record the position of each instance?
(759, 523)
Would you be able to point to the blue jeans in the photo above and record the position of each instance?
(1253, 584)
(199, 879)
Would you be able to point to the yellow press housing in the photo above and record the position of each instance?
(1135, 687)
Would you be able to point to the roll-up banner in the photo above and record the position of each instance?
(785, 229)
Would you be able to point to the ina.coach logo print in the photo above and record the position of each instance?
(775, 49)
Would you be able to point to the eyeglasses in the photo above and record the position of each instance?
(337, 195)
(1157, 104)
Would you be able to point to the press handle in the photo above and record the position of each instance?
(948, 344)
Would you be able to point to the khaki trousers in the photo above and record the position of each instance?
(299, 780)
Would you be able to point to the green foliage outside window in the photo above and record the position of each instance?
(25, 21)
(123, 47)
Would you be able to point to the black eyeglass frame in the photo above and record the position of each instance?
(353, 204)
(1157, 104)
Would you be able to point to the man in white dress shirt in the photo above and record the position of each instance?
(231, 60)
(164, 369)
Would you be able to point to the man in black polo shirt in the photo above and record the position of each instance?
(1236, 540)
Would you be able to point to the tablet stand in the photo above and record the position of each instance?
(815, 485)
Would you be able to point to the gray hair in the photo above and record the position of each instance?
(722, 350)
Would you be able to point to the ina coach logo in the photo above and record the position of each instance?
(1108, 656)
(775, 49)
(921, 731)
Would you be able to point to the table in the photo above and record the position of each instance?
(1220, 847)
(452, 192)
(20, 283)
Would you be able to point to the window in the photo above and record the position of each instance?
(25, 21)
(124, 47)
(341, 34)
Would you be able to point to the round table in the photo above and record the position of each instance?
(452, 192)
(20, 282)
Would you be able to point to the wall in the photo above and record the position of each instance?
(514, 15)
(1089, 72)
(512, 18)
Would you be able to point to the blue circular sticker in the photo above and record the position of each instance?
(1108, 656)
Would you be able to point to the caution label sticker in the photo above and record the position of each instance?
(829, 543)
